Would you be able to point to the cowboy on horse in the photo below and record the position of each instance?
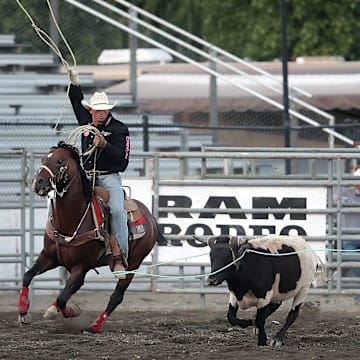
(74, 240)
(110, 158)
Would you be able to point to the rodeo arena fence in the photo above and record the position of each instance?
(244, 196)
(195, 189)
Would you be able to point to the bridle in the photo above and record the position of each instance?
(60, 176)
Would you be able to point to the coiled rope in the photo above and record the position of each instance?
(76, 133)
(73, 137)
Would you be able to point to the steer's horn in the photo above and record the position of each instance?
(236, 242)
(201, 239)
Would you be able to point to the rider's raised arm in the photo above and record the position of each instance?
(76, 96)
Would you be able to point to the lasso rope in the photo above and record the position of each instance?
(76, 133)
(73, 137)
(199, 276)
(52, 45)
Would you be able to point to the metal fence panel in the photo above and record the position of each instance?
(23, 215)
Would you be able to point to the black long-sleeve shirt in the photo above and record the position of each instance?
(114, 157)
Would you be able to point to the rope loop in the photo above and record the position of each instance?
(52, 45)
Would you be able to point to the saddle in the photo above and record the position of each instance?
(103, 230)
(136, 220)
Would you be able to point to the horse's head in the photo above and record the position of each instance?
(59, 168)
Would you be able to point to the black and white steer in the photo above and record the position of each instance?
(260, 279)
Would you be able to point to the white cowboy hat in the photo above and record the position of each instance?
(99, 101)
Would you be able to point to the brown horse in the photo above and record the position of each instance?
(71, 238)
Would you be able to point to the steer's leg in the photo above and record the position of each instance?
(232, 311)
(271, 308)
(280, 335)
(234, 320)
(260, 325)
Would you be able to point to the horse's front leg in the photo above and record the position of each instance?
(73, 284)
(42, 264)
(116, 299)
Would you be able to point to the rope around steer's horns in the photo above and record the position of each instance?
(144, 272)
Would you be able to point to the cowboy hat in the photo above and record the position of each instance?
(99, 101)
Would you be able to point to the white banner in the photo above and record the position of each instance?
(253, 224)
(188, 223)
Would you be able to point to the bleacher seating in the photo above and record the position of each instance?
(39, 80)
(8, 44)
(33, 100)
(31, 84)
(40, 105)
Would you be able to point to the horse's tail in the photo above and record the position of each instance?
(161, 240)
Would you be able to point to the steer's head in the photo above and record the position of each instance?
(224, 250)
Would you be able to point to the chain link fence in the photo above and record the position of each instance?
(88, 36)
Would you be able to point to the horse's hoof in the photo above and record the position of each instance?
(276, 343)
(50, 313)
(25, 319)
(76, 311)
(88, 331)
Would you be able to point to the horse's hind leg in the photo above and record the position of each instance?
(73, 284)
(42, 264)
(116, 299)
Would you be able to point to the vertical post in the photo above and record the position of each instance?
(145, 139)
(284, 56)
(155, 212)
(213, 107)
(133, 57)
(184, 146)
(54, 35)
(31, 164)
(331, 136)
(145, 132)
(22, 211)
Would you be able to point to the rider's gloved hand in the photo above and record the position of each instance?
(73, 76)
(99, 141)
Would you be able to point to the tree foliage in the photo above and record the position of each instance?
(247, 28)
(252, 28)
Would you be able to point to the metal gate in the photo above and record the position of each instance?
(23, 215)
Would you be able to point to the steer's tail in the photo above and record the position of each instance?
(320, 274)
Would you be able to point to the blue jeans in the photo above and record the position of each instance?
(113, 184)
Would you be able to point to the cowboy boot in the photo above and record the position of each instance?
(117, 263)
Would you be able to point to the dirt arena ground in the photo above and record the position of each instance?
(163, 326)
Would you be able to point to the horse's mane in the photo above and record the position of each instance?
(75, 155)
